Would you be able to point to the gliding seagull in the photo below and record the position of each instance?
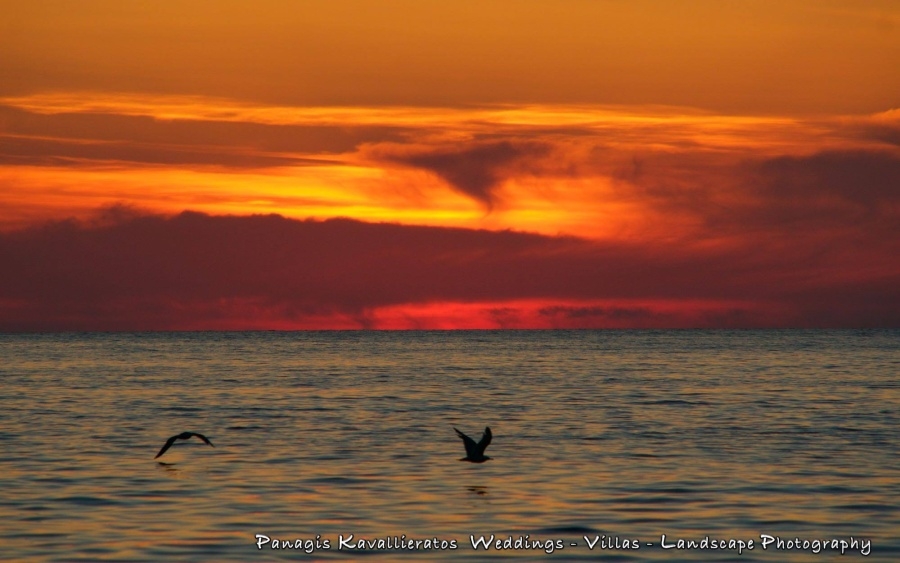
(182, 436)
(475, 452)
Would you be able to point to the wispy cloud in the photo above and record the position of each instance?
(475, 169)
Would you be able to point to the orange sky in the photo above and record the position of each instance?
(770, 56)
(684, 141)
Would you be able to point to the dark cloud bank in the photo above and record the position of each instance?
(128, 271)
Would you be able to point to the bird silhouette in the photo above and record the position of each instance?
(475, 452)
(182, 436)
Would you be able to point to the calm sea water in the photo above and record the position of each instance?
(603, 442)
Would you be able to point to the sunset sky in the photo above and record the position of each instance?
(469, 164)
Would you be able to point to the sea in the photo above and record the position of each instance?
(684, 445)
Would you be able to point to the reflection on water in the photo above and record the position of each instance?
(167, 466)
(600, 439)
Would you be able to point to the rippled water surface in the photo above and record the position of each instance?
(612, 437)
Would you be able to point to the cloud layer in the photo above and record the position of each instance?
(595, 172)
(128, 271)
(513, 216)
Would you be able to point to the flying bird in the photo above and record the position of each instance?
(475, 452)
(182, 436)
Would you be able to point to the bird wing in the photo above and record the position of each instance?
(202, 437)
(485, 440)
(167, 445)
(471, 446)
